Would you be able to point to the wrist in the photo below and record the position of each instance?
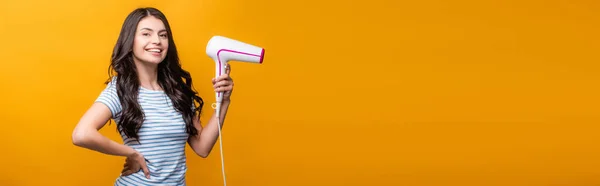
(132, 153)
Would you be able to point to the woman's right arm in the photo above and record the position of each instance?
(86, 133)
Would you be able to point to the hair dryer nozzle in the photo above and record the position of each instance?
(262, 55)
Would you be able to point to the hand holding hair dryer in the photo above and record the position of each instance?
(222, 50)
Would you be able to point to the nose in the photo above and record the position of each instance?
(156, 39)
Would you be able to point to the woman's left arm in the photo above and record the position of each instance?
(203, 143)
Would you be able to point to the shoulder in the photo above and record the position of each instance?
(109, 96)
(111, 85)
(111, 82)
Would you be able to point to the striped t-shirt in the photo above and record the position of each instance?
(162, 137)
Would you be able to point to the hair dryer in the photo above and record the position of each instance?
(222, 50)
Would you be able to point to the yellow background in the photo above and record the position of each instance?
(350, 93)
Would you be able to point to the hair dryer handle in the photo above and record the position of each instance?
(219, 70)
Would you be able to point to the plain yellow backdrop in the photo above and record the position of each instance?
(350, 93)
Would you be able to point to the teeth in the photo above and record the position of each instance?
(153, 50)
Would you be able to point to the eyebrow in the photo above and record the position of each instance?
(163, 30)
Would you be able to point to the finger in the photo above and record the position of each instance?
(222, 83)
(126, 173)
(228, 69)
(223, 77)
(146, 171)
(214, 80)
(223, 89)
(226, 86)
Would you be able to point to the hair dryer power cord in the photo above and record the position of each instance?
(218, 112)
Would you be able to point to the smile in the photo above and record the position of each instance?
(154, 50)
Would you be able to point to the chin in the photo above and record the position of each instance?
(153, 59)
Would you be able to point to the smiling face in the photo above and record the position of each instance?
(151, 41)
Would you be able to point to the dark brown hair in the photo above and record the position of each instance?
(175, 81)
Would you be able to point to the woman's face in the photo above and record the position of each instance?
(151, 41)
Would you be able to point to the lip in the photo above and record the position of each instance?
(160, 49)
(158, 54)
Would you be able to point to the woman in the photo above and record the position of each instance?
(152, 101)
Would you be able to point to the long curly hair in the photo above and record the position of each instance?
(175, 81)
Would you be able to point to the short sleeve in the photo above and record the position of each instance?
(110, 98)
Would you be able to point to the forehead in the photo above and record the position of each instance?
(150, 23)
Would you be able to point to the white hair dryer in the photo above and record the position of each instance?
(222, 50)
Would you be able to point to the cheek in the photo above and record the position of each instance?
(137, 44)
(166, 43)
(138, 47)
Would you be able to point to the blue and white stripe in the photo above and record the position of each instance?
(162, 138)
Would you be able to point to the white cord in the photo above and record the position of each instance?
(221, 142)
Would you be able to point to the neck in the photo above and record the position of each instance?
(147, 75)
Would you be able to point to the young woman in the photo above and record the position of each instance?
(153, 104)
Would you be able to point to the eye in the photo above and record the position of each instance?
(146, 34)
(163, 35)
